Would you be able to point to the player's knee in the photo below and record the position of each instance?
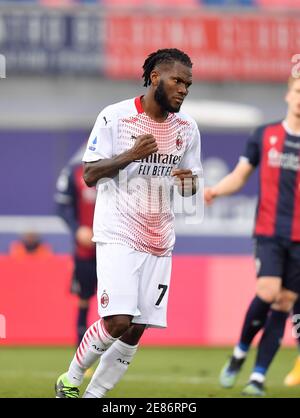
(116, 325)
(267, 291)
(83, 303)
(133, 334)
(285, 301)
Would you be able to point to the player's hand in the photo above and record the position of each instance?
(144, 146)
(185, 181)
(84, 235)
(209, 195)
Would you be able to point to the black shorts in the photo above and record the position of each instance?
(279, 257)
(84, 281)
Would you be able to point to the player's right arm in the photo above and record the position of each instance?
(109, 167)
(231, 183)
(100, 159)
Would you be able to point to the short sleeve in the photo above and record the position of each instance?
(192, 157)
(252, 149)
(100, 143)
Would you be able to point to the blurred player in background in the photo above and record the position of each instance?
(75, 204)
(136, 152)
(275, 147)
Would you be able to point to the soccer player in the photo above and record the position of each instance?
(138, 151)
(275, 147)
(75, 204)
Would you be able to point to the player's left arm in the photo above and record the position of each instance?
(190, 170)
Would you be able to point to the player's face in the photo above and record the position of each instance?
(293, 98)
(174, 82)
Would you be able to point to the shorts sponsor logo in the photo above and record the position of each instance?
(104, 300)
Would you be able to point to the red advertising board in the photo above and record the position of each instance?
(208, 299)
(228, 47)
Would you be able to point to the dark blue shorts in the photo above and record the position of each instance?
(279, 257)
(84, 281)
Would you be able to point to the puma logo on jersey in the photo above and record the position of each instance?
(105, 120)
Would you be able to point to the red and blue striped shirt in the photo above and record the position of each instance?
(277, 152)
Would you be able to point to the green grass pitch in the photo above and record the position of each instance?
(155, 372)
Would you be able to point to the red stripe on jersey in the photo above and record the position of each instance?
(106, 334)
(95, 328)
(296, 214)
(83, 345)
(79, 360)
(80, 352)
(273, 141)
(138, 104)
(90, 334)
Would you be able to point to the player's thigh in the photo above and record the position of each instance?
(154, 291)
(118, 271)
(270, 262)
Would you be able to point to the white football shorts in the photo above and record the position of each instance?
(133, 283)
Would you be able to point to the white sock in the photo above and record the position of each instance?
(94, 343)
(111, 369)
(238, 353)
(258, 377)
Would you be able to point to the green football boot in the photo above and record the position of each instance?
(254, 388)
(230, 371)
(64, 389)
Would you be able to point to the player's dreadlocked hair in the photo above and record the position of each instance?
(163, 55)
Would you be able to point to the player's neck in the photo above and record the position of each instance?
(293, 123)
(152, 108)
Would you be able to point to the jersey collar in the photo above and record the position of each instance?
(288, 129)
(138, 104)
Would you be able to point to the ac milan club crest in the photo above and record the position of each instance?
(179, 142)
(104, 300)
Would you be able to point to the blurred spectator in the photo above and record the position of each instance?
(30, 244)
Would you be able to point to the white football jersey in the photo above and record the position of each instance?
(135, 207)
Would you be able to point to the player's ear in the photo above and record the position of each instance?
(154, 77)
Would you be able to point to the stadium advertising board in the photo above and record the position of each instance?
(230, 47)
(39, 41)
(248, 46)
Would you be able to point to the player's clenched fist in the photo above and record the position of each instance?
(185, 181)
(144, 146)
(209, 195)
